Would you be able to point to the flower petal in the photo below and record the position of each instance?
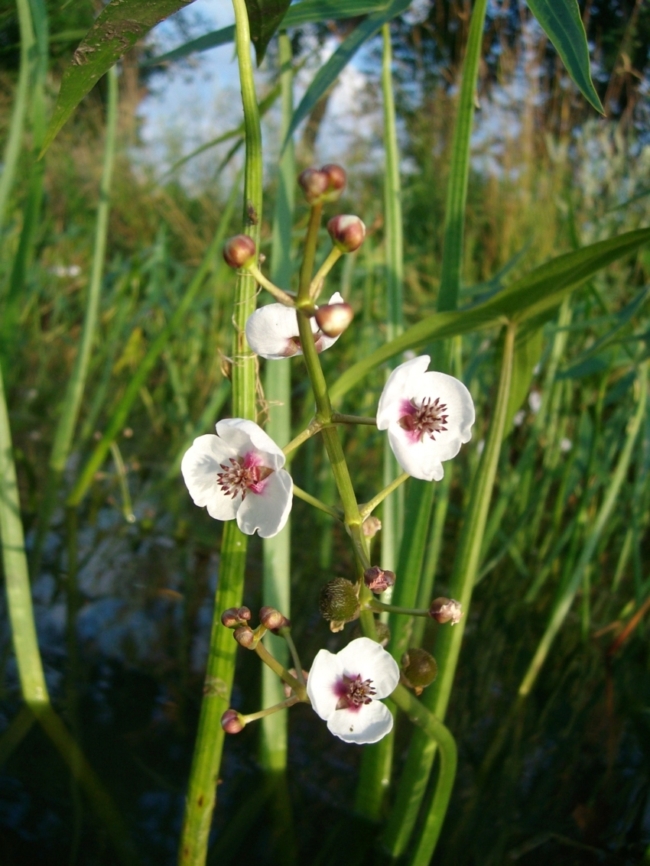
(419, 459)
(270, 330)
(399, 385)
(368, 724)
(370, 660)
(248, 436)
(325, 671)
(268, 511)
(201, 463)
(457, 399)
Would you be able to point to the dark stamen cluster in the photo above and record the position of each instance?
(356, 692)
(428, 419)
(237, 478)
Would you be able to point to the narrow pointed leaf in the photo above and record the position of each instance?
(115, 31)
(563, 26)
(264, 17)
(526, 298)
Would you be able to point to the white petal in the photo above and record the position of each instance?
(201, 463)
(270, 329)
(325, 671)
(268, 511)
(455, 396)
(367, 658)
(398, 387)
(419, 459)
(368, 724)
(246, 436)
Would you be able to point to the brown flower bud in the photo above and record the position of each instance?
(314, 184)
(232, 722)
(333, 319)
(371, 526)
(288, 691)
(347, 232)
(336, 180)
(419, 669)
(339, 602)
(378, 580)
(273, 619)
(238, 251)
(235, 616)
(245, 636)
(446, 610)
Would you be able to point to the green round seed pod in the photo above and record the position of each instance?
(419, 669)
(339, 601)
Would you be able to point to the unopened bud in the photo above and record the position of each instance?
(347, 232)
(235, 616)
(232, 722)
(383, 632)
(419, 669)
(273, 619)
(339, 603)
(336, 180)
(246, 637)
(371, 526)
(446, 610)
(314, 183)
(238, 251)
(333, 319)
(378, 580)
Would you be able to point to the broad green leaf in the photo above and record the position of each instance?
(300, 13)
(563, 25)
(526, 298)
(328, 73)
(115, 31)
(264, 17)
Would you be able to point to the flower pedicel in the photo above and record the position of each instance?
(428, 416)
(238, 474)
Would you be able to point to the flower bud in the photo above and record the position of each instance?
(333, 319)
(239, 250)
(232, 722)
(273, 619)
(314, 184)
(336, 180)
(245, 636)
(371, 526)
(378, 580)
(446, 610)
(419, 669)
(339, 602)
(347, 232)
(235, 616)
(383, 632)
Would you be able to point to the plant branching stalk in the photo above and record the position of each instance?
(201, 795)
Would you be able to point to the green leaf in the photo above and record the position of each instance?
(328, 73)
(528, 350)
(526, 298)
(115, 31)
(300, 13)
(264, 17)
(563, 26)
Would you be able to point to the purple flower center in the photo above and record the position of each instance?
(243, 474)
(427, 419)
(353, 692)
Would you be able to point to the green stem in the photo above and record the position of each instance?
(368, 507)
(279, 294)
(278, 669)
(317, 283)
(307, 497)
(447, 650)
(208, 749)
(375, 604)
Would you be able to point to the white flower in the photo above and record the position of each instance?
(345, 688)
(428, 416)
(238, 474)
(535, 401)
(272, 331)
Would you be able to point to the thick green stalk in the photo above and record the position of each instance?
(569, 590)
(12, 150)
(71, 403)
(459, 169)
(276, 589)
(201, 796)
(422, 752)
